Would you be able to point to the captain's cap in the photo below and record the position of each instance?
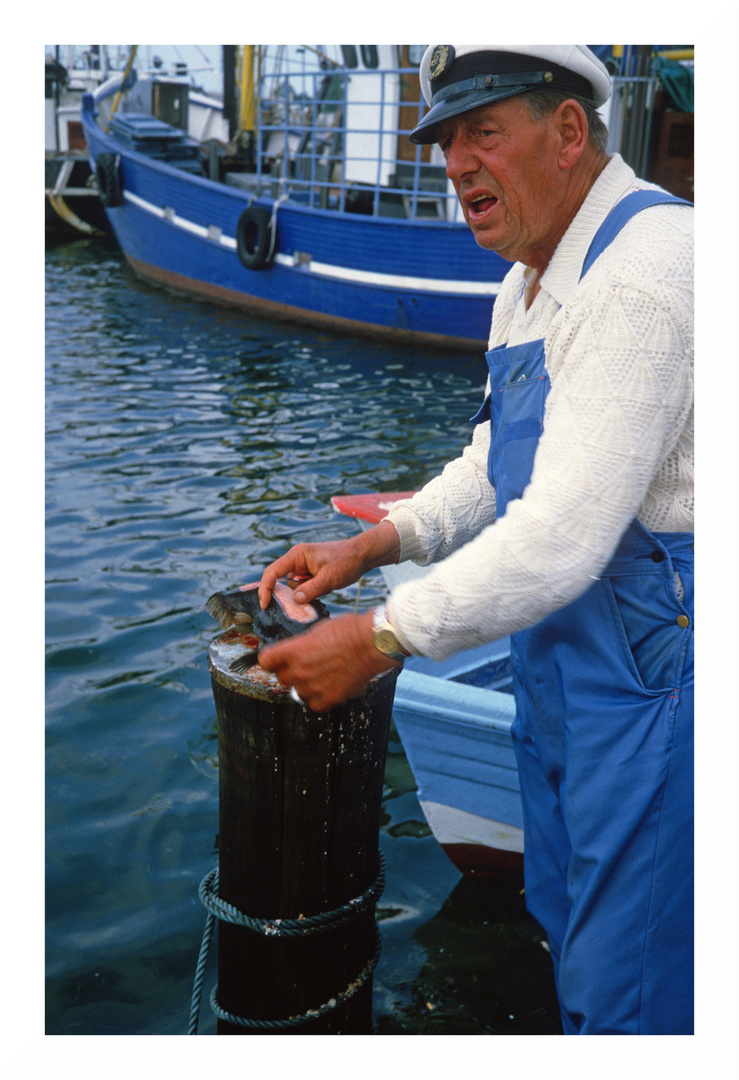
(457, 78)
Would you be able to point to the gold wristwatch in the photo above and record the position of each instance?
(383, 636)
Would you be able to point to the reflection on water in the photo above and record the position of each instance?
(187, 446)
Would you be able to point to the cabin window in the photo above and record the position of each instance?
(415, 54)
(369, 55)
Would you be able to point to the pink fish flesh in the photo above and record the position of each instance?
(283, 617)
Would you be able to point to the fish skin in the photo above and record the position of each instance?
(275, 623)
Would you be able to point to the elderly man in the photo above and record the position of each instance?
(566, 523)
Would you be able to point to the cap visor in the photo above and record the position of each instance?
(425, 131)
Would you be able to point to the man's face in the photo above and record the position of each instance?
(504, 167)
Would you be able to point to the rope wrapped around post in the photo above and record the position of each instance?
(219, 909)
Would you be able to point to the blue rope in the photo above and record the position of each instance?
(310, 1014)
(220, 909)
(197, 989)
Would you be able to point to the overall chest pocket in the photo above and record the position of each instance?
(517, 413)
(519, 385)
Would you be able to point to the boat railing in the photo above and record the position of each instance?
(338, 138)
(343, 144)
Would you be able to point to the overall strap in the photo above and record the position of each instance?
(622, 212)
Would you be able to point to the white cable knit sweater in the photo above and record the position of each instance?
(617, 442)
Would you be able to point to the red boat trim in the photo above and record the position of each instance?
(372, 507)
(476, 860)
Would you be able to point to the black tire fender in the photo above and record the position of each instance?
(256, 232)
(109, 178)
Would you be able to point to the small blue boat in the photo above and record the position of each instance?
(454, 721)
(311, 206)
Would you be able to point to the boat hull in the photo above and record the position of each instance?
(478, 846)
(457, 738)
(454, 721)
(414, 280)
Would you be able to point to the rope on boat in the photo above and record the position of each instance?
(256, 233)
(276, 205)
(220, 909)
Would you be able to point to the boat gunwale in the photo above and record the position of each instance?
(452, 694)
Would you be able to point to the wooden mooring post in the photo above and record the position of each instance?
(300, 800)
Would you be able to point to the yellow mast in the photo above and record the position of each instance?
(247, 89)
(126, 73)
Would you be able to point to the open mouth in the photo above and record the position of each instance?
(480, 205)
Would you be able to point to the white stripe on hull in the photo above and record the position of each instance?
(452, 826)
(337, 273)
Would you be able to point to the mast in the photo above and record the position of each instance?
(247, 90)
(229, 88)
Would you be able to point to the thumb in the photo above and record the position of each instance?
(313, 588)
(270, 656)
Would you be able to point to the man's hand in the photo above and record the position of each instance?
(330, 663)
(314, 570)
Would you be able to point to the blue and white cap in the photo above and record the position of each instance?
(457, 78)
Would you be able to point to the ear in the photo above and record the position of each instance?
(572, 129)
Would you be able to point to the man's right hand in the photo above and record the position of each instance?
(317, 569)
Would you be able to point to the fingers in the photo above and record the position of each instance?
(314, 570)
(283, 566)
(310, 588)
(276, 658)
(307, 571)
(329, 664)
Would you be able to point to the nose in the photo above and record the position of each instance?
(460, 158)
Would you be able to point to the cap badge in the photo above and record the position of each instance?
(441, 59)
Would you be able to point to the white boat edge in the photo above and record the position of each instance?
(478, 847)
(453, 827)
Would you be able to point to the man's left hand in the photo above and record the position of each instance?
(330, 663)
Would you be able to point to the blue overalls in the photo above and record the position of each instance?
(604, 742)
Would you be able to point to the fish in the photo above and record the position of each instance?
(282, 618)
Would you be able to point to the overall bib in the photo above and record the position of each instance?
(604, 742)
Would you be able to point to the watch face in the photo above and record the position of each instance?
(386, 641)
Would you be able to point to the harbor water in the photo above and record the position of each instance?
(188, 446)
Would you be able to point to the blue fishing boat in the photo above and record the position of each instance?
(300, 197)
(454, 720)
(311, 204)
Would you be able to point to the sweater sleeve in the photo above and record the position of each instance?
(619, 355)
(451, 509)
